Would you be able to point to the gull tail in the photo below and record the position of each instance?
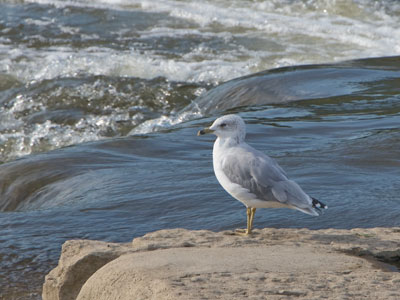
(315, 209)
(317, 205)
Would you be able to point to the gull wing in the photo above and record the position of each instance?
(263, 177)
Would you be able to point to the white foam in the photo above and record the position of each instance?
(164, 122)
(19, 138)
(40, 137)
(64, 62)
(302, 32)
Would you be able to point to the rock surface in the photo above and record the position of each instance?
(79, 260)
(272, 263)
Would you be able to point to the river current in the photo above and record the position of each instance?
(100, 102)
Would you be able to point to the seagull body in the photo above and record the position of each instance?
(252, 177)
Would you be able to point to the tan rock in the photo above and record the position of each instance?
(270, 264)
(215, 273)
(79, 260)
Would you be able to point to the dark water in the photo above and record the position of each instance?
(98, 127)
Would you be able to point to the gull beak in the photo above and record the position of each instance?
(204, 131)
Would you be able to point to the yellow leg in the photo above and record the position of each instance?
(250, 218)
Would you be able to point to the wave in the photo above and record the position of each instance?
(284, 85)
(63, 62)
(79, 71)
(68, 111)
(57, 113)
(190, 41)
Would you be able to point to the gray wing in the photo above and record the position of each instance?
(263, 177)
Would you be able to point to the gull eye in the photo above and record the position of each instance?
(222, 125)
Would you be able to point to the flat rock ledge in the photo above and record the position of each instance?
(270, 264)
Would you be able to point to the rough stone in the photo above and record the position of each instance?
(79, 260)
(272, 263)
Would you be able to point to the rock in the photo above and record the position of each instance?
(272, 263)
(202, 273)
(79, 260)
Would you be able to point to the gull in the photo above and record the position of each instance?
(252, 177)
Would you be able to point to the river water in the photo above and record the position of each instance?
(100, 102)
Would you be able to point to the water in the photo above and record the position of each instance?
(100, 102)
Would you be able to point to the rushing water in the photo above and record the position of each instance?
(100, 102)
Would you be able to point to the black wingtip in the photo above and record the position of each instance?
(318, 205)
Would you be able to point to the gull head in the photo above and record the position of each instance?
(229, 126)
